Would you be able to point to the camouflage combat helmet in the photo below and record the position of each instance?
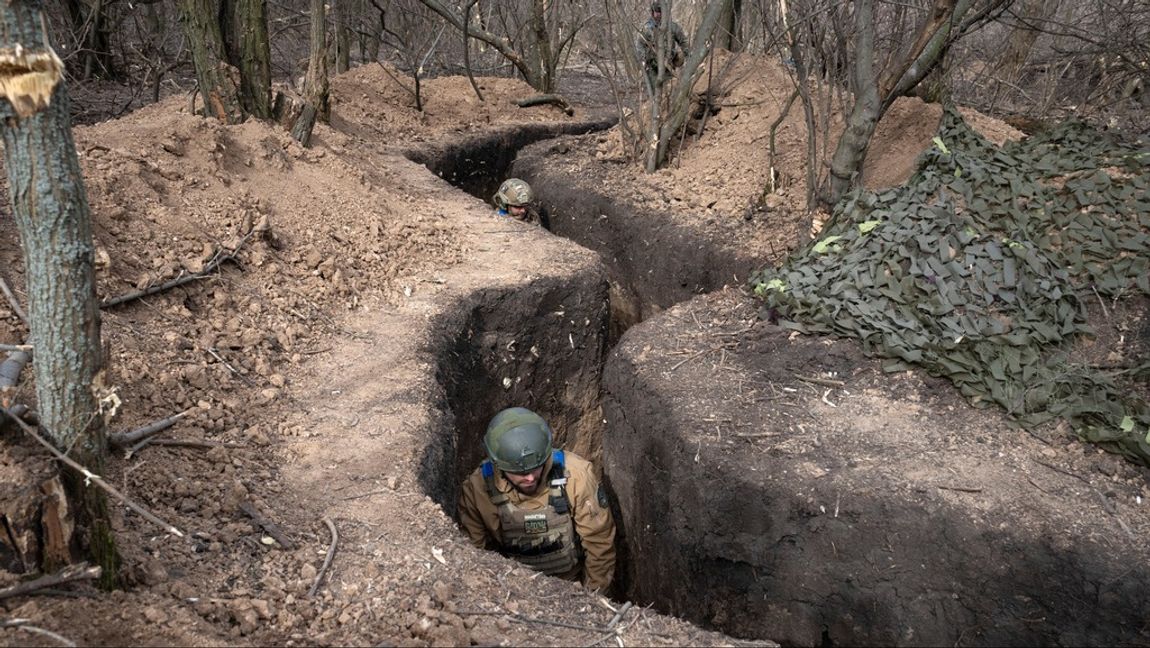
(513, 192)
(518, 440)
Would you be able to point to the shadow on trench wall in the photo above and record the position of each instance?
(539, 345)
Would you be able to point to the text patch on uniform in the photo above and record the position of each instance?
(535, 523)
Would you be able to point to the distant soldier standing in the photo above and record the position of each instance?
(540, 506)
(647, 48)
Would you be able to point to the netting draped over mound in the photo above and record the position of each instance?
(974, 268)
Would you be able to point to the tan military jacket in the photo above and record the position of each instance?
(593, 519)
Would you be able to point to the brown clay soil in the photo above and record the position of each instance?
(306, 366)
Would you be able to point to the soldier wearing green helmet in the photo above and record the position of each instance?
(515, 199)
(564, 529)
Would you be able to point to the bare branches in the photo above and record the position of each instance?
(123, 439)
(210, 268)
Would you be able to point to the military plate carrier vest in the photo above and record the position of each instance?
(544, 540)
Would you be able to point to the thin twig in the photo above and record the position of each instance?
(22, 624)
(961, 489)
(80, 571)
(619, 615)
(16, 308)
(271, 527)
(328, 559)
(90, 478)
(690, 358)
(216, 354)
(825, 382)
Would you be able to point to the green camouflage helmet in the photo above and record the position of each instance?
(513, 192)
(518, 440)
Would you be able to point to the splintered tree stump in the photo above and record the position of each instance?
(36, 523)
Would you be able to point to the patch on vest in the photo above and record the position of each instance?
(535, 523)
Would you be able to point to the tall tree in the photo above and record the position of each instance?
(51, 209)
(229, 43)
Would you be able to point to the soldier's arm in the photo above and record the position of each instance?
(470, 516)
(596, 527)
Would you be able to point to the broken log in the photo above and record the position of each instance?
(553, 99)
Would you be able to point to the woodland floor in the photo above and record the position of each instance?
(304, 363)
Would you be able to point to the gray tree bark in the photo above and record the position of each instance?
(51, 210)
(230, 50)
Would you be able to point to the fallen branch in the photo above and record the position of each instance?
(22, 624)
(16, 347)
(553, 99)
(209, 268)
(122, 439)
(267, 525)
(16, 307)
(328, 559)
(80, 571)
(90, 478)
(179, 443)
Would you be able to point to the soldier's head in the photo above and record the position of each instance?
(657, 11)
(518, 442)
(514, 196)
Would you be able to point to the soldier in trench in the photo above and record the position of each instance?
(515, 199)
(539, 505)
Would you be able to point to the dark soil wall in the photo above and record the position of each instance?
(659, 261)
(478, 164)
(540, 346)
(750, 506)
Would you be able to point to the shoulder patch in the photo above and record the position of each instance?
(601, 495)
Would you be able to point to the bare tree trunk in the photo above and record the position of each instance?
(245, 32)
(51, 210)
(344, 15)
(315, 85)
(729, 34)
(542, 60)
(219, 81)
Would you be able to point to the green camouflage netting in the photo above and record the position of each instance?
(976, 268)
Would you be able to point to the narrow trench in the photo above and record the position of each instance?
(561, 376)
(544, 344)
